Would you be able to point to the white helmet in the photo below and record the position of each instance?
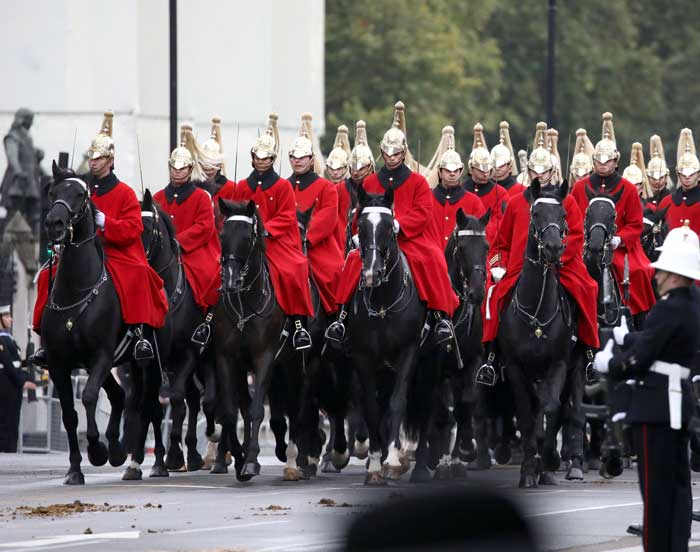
(680, 253)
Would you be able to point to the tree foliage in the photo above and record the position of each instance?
(462, 61)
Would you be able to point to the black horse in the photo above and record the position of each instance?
(82, 323)
(384, 332)
(535, 334)
(654, 232)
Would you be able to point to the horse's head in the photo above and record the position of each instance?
(599, 228)
(303, 220)
(69, 199)
(469, 250)
(548, 221)
(654, 231)
(375, 225)
(241, 237)
(151, 237)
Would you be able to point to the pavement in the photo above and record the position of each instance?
(198, 511)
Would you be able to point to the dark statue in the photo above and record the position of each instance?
(21, 185)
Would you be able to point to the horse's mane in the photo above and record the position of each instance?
(240, 207)
(169, 226)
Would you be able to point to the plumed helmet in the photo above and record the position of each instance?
(636, 172)
(502, 152)
(657, 167)
(361, 154)
(582, 162)
(445, 157)
(523, 178)
(267, 144)
(480, 156)
(552, 146)
(181, 156)
(541, 158)
(687, 161)
(339, 156)
(213, 149)
(103, 144)
(304, 145)
(606, 148)
(393, 141)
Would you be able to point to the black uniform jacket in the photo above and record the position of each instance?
(671, 334)
(9, 361)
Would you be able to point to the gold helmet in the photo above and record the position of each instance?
(361, 154)
(582, 162)
(445, 157)
(523, 177)
(304, 144)
(657, 167)
(480, 157)
(541, 158)
(636, 173)
(340, 154)
(687, 161)
(103, 145)
(552, 143)
(212, 151)
(181, 156)
(502, 152)
(267, 144)
(606, 149)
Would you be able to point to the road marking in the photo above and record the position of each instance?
(318, 545)
(222, 527)
(64, 539)
(639, 548)
(588, 509)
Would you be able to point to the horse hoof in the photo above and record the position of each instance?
(411, 455)
(117, 455)
(238, 465)
(503, 454)
(74, 478)
(175, 460)
(292, 474)
(219, 468)
(551, 460)
(375, 479)
(593, 464)
(97, 454)
(194, 462)
(574, 474)
(132, 474)
(420, 475)
(310, 470)
(483, 460)
(443, 473)
(228, 458)
(328, 467)
(547, 478)
(393, 473)
(340, 459)
(361, 449)
(251, 469)
(281, 452)
(158, 470)
(459, 470)
(528, 481)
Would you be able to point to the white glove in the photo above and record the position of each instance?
(615, 241)
(356, 240)
(497, 273)
(100, 219)
(602, 358)
(397, 226)
(619, 332)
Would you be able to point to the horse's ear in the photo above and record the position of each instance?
(563, 190)
(147, 202)
(662, 213)
(58, 173)
(461, 218)
(250, 208)
(225, 206)
(306, 215)
(389, 198)
(361, 194)
(485, 218)
(535, 188)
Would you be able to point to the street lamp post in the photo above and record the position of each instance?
(551, 62)
(173, 75)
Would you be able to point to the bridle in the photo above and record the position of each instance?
(538, 233)
(463, 293)
(364, 249)
(608, 233)
(243, 262)
(155, 244)
(75, 217)
(656, 233)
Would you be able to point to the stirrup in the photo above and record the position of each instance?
(444, 331)
(336, 330)
(301, 339)
(486, 374)
(591, 372)
(143, 350)
(202, 333)
(39, 358)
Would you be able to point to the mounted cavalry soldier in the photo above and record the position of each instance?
(684, 204)
(412, 213)
(505, 169)
(510, 248)
(119, 227)
(448, 194)
(337, 171)
(656, 362)
(274, 198)
(210, 157)
(636, 172)
(314, 192)
(657, 173)
(582, 162)
(626, 242)
(191, 212)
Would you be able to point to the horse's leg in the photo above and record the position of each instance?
(140, 412)
(397, 409)
(365, 369)
(193, 398)
(115, 394)
(213, 430)
(575, 421)
(62, 381)
(100, 369)
(552, 410)
(184, 366)
(278, 421)
(263, 373)
(297, 465)
(523, 394)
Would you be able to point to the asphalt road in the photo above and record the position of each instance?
(203, 512)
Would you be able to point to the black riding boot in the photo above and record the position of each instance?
(486, 374)
(143, 350)
(444, 331)
(301, 338)
(335, 333)
(39, 358)
(202, 333)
